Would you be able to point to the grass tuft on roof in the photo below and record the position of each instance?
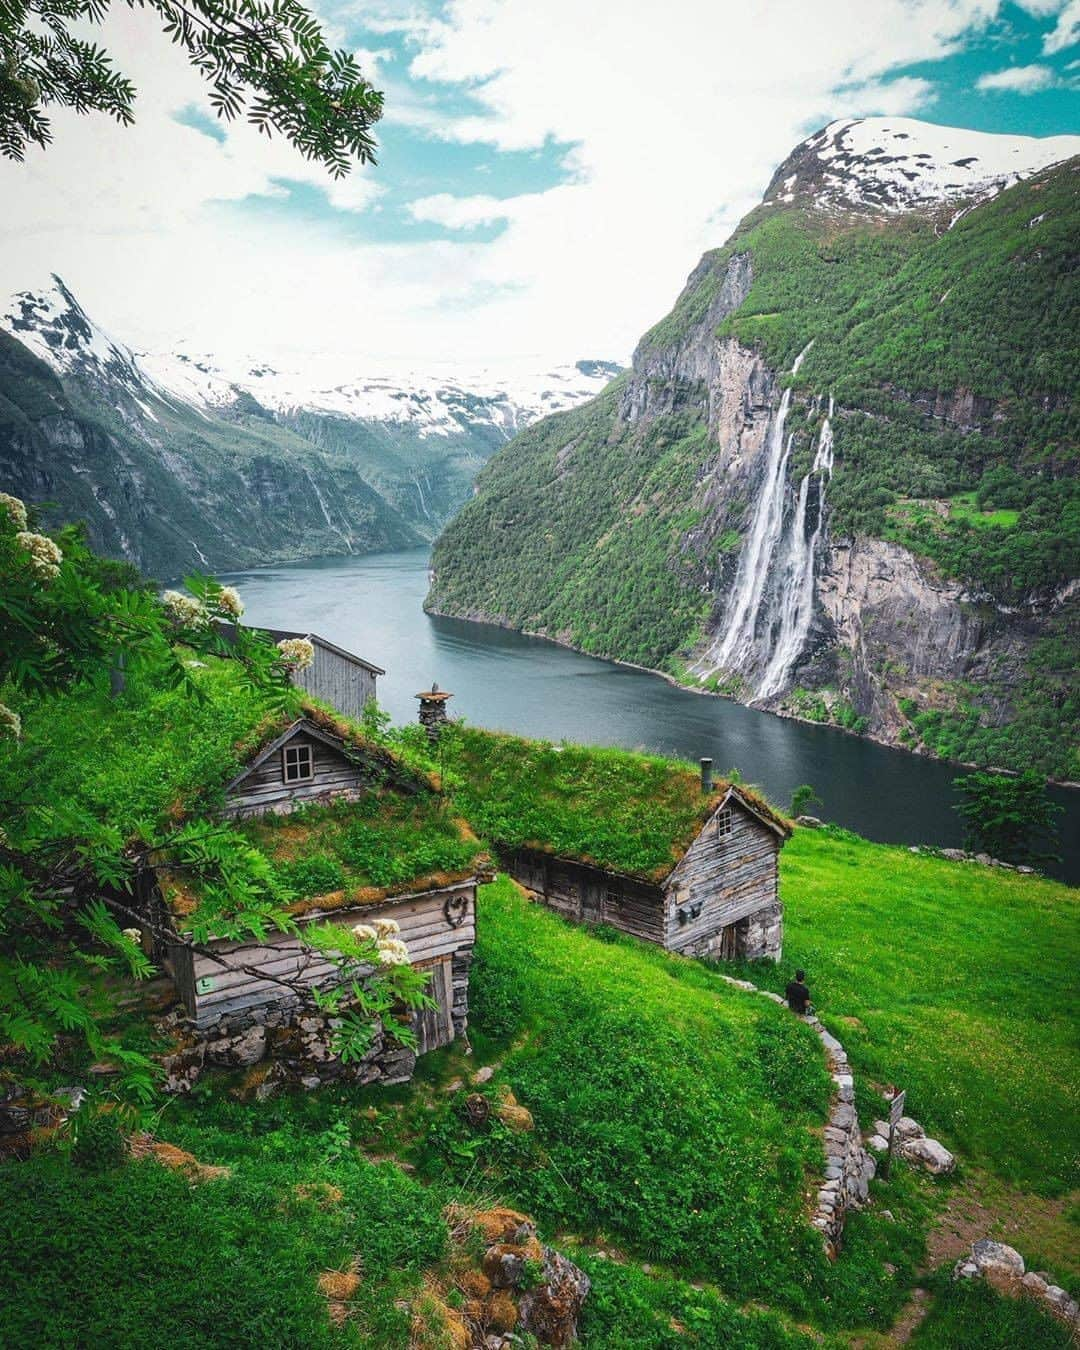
(630, 813)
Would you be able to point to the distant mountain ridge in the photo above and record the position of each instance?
(178, 462)
(840, 480)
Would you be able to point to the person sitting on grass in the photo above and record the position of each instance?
(798, 995)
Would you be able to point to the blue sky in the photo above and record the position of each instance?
(548, 173)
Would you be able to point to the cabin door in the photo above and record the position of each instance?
(725, 943)
(435, 1026)
(592, 903)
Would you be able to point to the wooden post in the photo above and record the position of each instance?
(896, 1110)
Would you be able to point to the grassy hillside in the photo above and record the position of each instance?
(959, 979)
(673, 1127)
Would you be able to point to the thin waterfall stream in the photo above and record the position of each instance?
(738, 646)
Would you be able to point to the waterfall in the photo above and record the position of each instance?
(420, 492)
(326, 514)
(734, 648)
(795, 589)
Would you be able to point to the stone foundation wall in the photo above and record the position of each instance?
(761, 935)
(294, 1044)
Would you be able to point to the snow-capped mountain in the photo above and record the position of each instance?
(899, 164)
(55, 327)
(210, 464)
(434, 402)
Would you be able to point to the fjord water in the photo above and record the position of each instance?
(372, 605)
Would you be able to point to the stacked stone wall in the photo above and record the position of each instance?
(848, 1167)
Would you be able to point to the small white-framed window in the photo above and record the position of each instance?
(613, 898)
(725, 822)
(297, 764)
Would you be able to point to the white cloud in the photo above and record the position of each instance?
(1018, 79)
(678, 115)
(891, 98)
(1066, 32)
(468, 213)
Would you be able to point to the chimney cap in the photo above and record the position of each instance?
(434, 694)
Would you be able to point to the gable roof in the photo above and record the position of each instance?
(308, 728)
(340, 738)
(622, 812)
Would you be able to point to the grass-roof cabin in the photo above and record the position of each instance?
(635, 841)
(355, 836)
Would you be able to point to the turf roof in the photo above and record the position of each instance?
(350, 854)
(625, 812)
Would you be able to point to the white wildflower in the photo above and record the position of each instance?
(14, 509)
(184, 610)
(395, 949)
(387, 927)
(10, 722)
(296, 652)
(229, 602)
(364, 932)
(133, 934)
(45, 557)
(392, 958)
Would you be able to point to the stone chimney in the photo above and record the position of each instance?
(433, 709)
(706, 775)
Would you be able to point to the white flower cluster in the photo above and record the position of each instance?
(296, 652)
(14, 509)
(392, 951)
(184, 610)
(132, 934)
(45, 557)
(229, 602)
(10, 722)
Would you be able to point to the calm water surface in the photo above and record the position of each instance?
(373, 606)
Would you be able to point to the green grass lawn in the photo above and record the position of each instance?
(965, 507)
(964, 983)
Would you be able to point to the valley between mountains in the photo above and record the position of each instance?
(839, 481)
(178, 464)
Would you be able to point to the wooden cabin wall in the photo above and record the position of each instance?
(343, 684)
(232, 992)
(266, 790)
(731, 876)
(589, 895)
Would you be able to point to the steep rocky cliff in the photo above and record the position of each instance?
(839, 480)
(176, 465)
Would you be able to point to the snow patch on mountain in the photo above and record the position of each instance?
(441, 402)
(901, 164)
(433, 402)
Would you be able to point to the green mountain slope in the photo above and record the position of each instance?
(172, 490)
(942, 607)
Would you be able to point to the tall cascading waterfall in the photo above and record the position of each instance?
(795, 584)
(734, 648)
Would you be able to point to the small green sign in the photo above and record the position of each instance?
(205, 985)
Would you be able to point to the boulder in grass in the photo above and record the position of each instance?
(906, 1128)
(1001, 1266)
(928, 1153)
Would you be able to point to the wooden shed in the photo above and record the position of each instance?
(642, 844)
(308, 793)
(336, 676)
